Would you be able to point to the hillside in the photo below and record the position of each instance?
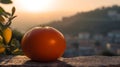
(101, 20)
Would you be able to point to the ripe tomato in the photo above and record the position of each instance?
(43, 44)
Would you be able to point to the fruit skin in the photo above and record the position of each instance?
(1, 39)
(2, 49)
(7, 34)
(43, 44)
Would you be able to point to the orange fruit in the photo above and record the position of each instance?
(7, 34)
(2, 49)
(43, 44)
(1, 39)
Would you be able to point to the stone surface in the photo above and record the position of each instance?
(81, 61)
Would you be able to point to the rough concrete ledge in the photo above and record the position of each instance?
(81, 61)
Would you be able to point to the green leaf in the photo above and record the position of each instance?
(16, 50)
(1, 10)
(7, 13)
(6, 1)
(2, 19)
(1, 24)
(13, 10)
(13, 17)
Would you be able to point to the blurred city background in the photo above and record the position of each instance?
(88, 29)
(96, 32)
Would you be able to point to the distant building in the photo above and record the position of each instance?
(114, 15)
(98, 37)
(115, 48)
(81, 45)
(83, 35)
(68, 37)
(86, 43)
(86, 47)
(118, 51)
(114, 36)
(86, 51)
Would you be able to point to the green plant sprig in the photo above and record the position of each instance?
(6, 16)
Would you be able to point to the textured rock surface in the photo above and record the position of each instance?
(81, 61)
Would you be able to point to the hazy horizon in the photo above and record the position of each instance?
(59, 8)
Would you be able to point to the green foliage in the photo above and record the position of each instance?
(17, 35)
(13, 47)
(5, 1)
(6, 15)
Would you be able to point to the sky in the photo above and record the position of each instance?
(35, 12)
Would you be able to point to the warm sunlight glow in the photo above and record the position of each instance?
(35, 5)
